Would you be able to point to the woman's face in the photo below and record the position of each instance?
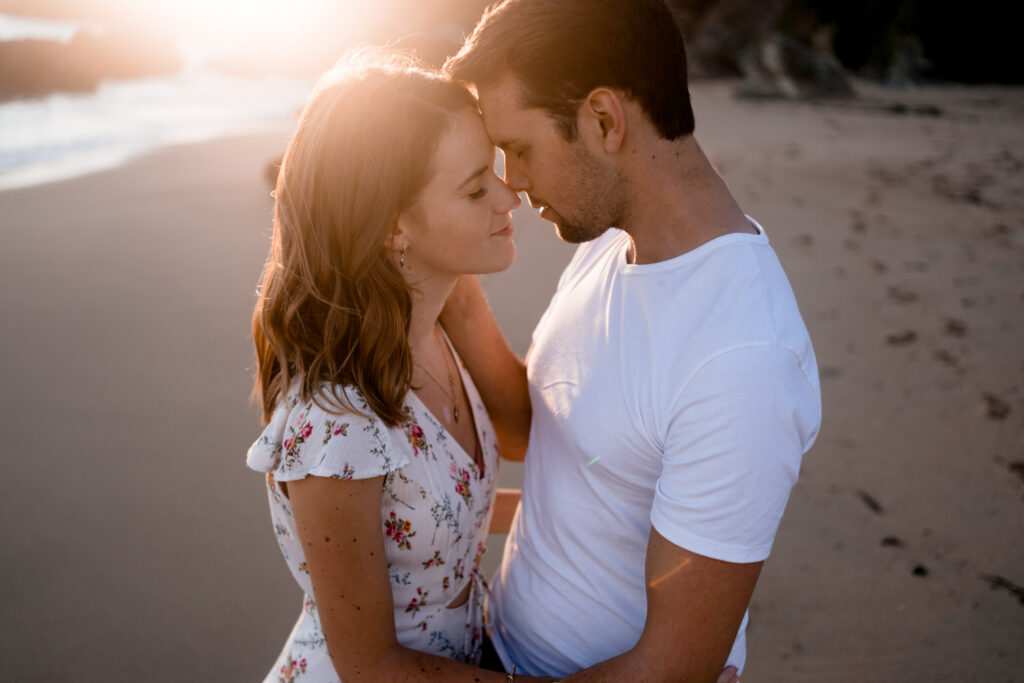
(461, 222)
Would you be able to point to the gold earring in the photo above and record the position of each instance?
(401, 260)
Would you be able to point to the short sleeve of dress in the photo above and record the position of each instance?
(733, 452)
(304, 439)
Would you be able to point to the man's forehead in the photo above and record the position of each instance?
(502, 109)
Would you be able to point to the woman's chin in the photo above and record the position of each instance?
(498, 264)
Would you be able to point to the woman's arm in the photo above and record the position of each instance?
(340, 529)
(497, 371)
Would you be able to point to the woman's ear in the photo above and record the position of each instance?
(398, 239)
(604, 117)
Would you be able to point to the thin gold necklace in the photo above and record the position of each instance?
(451, 394)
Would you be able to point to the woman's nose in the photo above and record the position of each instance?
(510, 200)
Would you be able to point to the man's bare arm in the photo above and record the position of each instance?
(695, 606)
(499, 374)
(505, 504)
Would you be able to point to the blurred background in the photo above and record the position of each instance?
(879, 144)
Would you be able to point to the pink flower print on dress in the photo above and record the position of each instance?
(333, 429)
(347, 472)
(416, 438)
(299, 435)
(291, 670)
(417, 602)
(479, 555)
(435, 561)
(398, 530)
(462, 479)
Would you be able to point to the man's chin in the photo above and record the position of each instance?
(572, 233)
(575, 234)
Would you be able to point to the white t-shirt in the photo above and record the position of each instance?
(679, 394)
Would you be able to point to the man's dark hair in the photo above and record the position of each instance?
(560, 50)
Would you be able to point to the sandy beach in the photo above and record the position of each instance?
(137, 546)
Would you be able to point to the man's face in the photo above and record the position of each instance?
(566, 180)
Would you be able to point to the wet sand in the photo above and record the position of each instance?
(136, 546)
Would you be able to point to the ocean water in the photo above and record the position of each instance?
(69, 134)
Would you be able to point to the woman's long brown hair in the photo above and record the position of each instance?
(333, 308)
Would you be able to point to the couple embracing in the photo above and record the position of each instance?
(662, 411)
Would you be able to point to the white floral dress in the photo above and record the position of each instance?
(435, 515)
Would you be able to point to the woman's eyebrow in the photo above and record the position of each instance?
(477, 173)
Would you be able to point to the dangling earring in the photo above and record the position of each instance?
(401, 260)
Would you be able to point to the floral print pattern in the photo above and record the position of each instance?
(435, 511)
(291, 670)
(398, 530)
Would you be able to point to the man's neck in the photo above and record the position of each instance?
(678, 201)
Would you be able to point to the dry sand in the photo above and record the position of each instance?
(137, 547)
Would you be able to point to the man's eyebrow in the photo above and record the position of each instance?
(507, 144)
(475, 174)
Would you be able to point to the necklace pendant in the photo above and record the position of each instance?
(456, 413)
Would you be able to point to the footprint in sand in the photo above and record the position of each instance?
(892, 542)
(955, 327)
(915, 266)
(997, 582)
(870, 502)
(947, 357)
(1018, 469)
(995, 407)
(901, 338)
(902, 295)
(857, 222)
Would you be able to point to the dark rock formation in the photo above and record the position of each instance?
(33, 68)
(778, 66)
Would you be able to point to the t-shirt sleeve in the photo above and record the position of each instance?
(303, 439)
(732, 452)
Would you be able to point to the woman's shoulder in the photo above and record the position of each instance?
(332, 433)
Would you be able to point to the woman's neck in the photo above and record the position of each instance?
(428, 299)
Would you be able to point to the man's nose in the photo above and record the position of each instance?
(514, 177)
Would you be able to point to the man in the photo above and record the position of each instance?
(674, 388)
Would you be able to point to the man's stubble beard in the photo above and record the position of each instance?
(601, 193)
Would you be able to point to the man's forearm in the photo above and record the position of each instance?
(499, 374)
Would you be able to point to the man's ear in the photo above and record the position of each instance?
(604, 114)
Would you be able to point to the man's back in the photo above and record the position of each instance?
(682, 392)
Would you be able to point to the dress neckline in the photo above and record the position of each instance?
(481, 469)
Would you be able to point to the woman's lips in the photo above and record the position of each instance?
(504, 232)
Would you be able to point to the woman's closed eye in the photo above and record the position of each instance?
(479, 194)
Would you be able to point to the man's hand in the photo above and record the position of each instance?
(499, 374)
(695, 606)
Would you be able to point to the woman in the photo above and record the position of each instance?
(380, 457)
